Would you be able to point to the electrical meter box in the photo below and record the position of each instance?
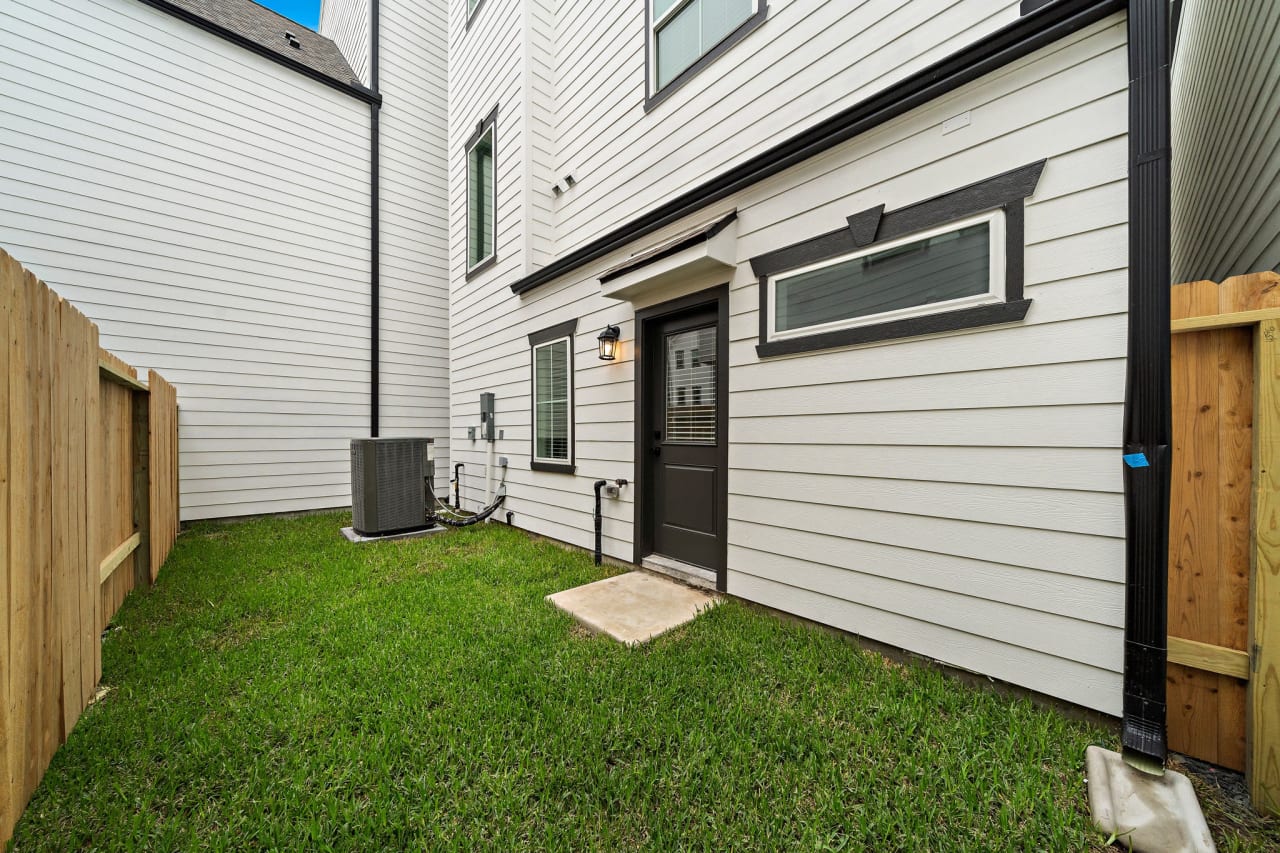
(486, 416)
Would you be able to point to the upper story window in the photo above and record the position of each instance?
(685, 35)
(481, 195)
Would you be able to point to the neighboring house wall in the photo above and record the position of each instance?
(413, 209)
(414, 281)
(209, 209)
(957, 495)
(347, 23)
(1226, 130)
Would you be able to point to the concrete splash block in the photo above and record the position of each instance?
(1148, 814)
(634, 607)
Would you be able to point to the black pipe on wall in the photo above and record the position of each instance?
(599, 484)
(457, 484)
(1147, 460)
(375, 248)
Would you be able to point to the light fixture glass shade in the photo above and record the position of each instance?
(608, 341)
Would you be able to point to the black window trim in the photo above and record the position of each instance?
(489, 122)
(567, 329)
(652, 96)
(873, 226)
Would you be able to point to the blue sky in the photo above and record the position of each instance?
(305, 12)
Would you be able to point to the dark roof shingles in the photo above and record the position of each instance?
(266, 28)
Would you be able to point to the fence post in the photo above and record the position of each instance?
(141, 407)
(1264, 686)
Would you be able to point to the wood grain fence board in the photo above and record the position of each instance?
(42, 469)
(1235, 497)
(163, 446)
(66, 499)
(18, 694)
(64, 605)
(1193, 695)
(8, 730)
(1264, 721)
(93, 514)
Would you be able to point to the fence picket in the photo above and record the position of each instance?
(66, 487)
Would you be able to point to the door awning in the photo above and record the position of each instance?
(707, 247)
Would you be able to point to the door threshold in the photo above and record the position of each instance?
(681, 571)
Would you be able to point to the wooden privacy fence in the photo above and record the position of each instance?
(88, 511)
(1224, 528)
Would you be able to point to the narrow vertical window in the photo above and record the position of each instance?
(480, 197)
(552, 398)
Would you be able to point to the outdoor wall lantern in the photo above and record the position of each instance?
(609, 343)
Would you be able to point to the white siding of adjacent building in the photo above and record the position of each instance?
(414, 189)
(1226, 129)
(209, 209)
(956, 495)
(347, 23)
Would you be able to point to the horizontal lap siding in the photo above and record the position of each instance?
(958, 495)
(1226, 128)
(808, 60)
(414, 285)
(209, 209)
(347, 23)
(955, 495)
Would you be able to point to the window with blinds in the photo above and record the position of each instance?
(685, 30)
(691, 386)
(552, 401)
(951, 267)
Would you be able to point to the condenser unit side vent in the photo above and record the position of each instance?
(390, 484)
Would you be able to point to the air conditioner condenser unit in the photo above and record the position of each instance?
(391, 485)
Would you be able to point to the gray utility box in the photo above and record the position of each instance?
(391, 489)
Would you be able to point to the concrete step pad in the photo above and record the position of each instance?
(634, 607)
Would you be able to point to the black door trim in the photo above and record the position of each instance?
(642, 529)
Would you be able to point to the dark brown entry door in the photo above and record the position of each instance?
(684, 428)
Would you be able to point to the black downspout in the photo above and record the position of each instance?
(457, 485)
(375, 259)
(600, 484)
(1147, 417)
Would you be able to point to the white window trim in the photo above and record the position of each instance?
(995, 291)
(493, 197)
(568, 356)
(656, 24)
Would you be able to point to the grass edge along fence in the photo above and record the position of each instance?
(89, 504)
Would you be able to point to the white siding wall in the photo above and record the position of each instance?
(957, 495)
(1226, 129)
(208, 208)
(808, 60)
(347, 23)
(486, 69)
(414, 309)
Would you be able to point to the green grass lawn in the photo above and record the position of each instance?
(281, 688)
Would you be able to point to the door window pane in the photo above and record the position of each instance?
(551, 427)
(691, 390)
(941, 268)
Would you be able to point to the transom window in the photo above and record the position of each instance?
(552, 401)
(480, 198)
(683, 31)
(957, 265)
